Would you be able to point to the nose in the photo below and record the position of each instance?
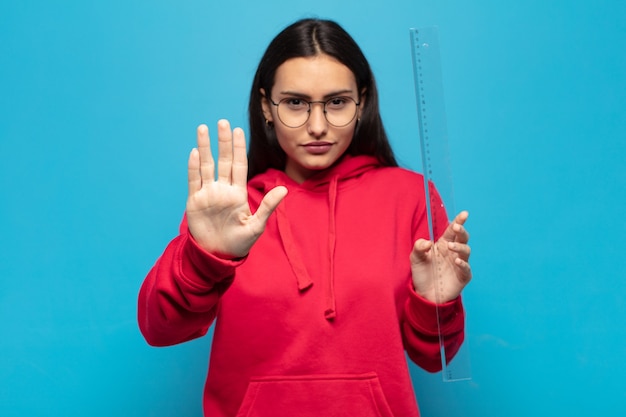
(317, 125)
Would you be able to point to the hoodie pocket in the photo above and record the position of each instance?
(315, 396)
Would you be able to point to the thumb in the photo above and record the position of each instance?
(269, 203)
(420, 252)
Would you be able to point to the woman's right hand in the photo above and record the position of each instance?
(218, 213)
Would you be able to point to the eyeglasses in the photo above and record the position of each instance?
(295, 112)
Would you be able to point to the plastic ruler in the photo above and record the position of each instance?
(435, 163)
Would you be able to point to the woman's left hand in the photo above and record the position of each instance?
(441, 270)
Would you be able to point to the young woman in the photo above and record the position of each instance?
(311, 253)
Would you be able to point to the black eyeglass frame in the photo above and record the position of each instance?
(310, 103)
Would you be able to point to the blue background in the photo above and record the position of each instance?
(98, 107)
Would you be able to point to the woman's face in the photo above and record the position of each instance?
(317, 144)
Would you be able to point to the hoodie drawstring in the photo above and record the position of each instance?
(297, 265)
(295, 260)
(330, 311)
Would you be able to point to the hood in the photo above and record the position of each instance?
(329, 180)
(346, 168)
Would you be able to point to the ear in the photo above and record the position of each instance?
(362, 98)
(266, 106)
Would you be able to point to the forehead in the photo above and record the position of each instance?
(313, 76)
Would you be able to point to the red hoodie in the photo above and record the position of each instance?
(315, 321)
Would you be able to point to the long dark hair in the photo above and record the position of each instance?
(306, 38)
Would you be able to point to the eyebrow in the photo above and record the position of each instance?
(308, 97)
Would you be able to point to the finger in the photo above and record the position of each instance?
(225, 149)
(465, 269)
(420, 250)
(206, 164)
(461, 218)
(462, 250)
(455, 230)
(269, 204)
(240, 159)
(461, 233)
(194, 180)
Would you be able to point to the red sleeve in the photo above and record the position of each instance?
(420, 329)
(179, 298)
(426, 325)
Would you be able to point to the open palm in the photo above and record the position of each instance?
(218, 214)
(441, 270)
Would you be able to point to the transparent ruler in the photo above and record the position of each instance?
(436, 167)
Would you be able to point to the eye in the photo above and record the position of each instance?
(337, 103)
(295, 103)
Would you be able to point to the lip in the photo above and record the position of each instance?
(318, 147)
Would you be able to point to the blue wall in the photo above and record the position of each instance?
(98, 106)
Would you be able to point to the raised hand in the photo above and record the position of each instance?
(441, 270)
(218, 214)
